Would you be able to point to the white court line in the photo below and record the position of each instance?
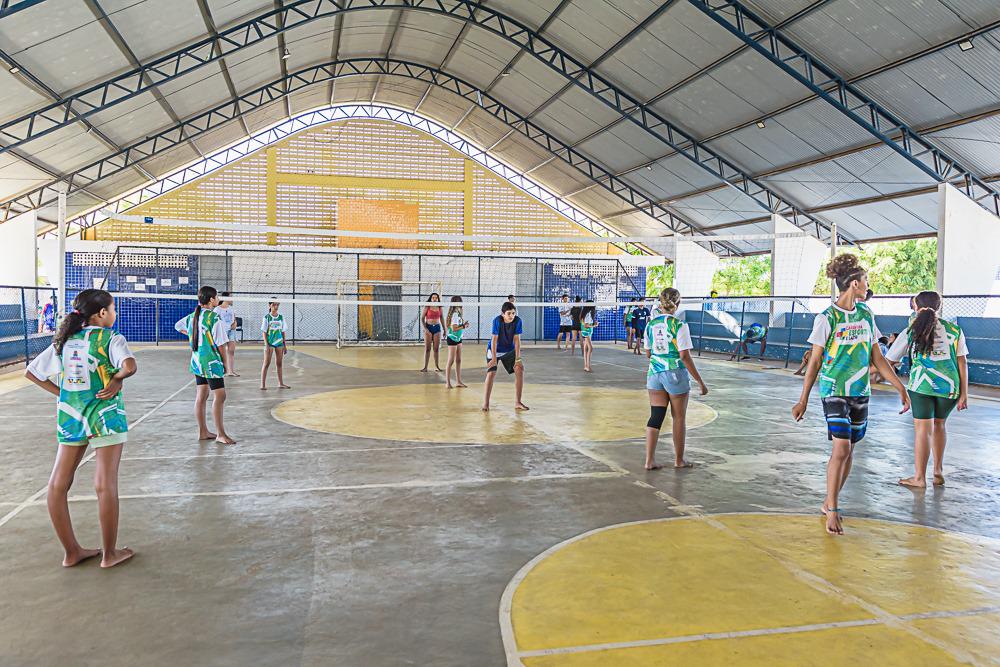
(760, 632)
(33, 498)
(409, 484)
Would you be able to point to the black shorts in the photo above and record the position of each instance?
(507, 359)
(213, 383)
(576, 326)
(565, 328)
(846, 417)
(453, 343)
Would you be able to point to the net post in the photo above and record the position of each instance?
(833, 254)
(479, 297)
(791, 323)
(538, 315)
(293, 296)
(619, 317)
(24, 318)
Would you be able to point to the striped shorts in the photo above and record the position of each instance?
(846, 417)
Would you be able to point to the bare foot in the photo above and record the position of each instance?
(913, 483)
(587, 370)
(486, 408)
(684, 464)
(449, 386)
(224, 440)
(231, 375)
(116, 557)
(653, 466)
(207, 436)
(263, 388)
(283, 386)
(438, 370)
(462, 385)
(938, 479)
(521, 406)
(80, 556)
(833, 525)
(423, 370)
(236, 375)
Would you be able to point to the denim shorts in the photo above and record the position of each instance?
(673, 382)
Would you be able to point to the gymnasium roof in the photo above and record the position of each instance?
(698, 85)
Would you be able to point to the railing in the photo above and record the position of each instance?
(27, 320)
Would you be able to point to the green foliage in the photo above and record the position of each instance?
(659, 277)
(894, 267)
(743, 276)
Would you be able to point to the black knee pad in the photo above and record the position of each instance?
(657, 413)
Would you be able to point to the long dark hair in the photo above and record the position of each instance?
(87, 303)
(922, 330)
(588, 309)
(205, 295)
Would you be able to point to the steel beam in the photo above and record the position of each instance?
(226, 112)
(8, 7)
(300, 12)
(825, 83)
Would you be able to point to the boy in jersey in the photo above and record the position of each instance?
(504, 347)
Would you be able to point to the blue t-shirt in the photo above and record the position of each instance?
(639, 317)
(755, 332)
(505, 334)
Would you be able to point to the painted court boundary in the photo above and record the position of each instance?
(880, 616)
(33, 499)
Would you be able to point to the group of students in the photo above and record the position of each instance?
(90, 362)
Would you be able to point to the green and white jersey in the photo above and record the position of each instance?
(848, 337)
(89, 359)
(934, 373)
(273, 328)
(206, 361)
(665, 338)
(456, 321)
(587, 325)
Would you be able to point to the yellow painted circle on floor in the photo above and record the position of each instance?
(393, 358)
(434, 413)
(672, 593)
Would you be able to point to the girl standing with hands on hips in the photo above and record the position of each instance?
(91, 362)
(272, 327)
(207, 336)
(844, 342)
(668, 347)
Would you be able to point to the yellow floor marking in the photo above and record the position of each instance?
(978, 634)
(402, 358)
(834, 647)
(433, 413)
(13, 381)
(684, 591)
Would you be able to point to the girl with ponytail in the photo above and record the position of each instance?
(90, 361)
(939, 381)
(207, 336)
(844, 347)
(667, 341)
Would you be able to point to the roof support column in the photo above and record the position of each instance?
(61, 221)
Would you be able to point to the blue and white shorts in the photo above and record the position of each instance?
(675, 382)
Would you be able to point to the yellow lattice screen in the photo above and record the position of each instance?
(303, 181)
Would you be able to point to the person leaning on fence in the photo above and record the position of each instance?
(755, 333)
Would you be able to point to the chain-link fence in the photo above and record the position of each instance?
(27, 322)
(723, 325)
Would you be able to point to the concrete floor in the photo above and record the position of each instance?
(304, 547)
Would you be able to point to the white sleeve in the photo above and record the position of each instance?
(219, 333)
(181, 325)
(263, 324)
(876, 334)
(684, 338)
(820, 332)
(900, 347)
(119, 351)
(456, 320)
(963, 349)
(46, 365)
(284, 324)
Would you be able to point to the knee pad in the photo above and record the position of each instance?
(657, 413)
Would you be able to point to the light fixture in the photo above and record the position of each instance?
(649, 167)
(760, 124)
(506, 72)
(15, 69)
(285, 55)
(966, 45)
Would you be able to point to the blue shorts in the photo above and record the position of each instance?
(846, 417)
(433, 329)
(673, 382)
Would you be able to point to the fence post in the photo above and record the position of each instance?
(479, 296)
(24, 318)
(293, 296)
(156, 290)
(701, 331)
(791, 326)
(619, 317)
(539, 312)
(739, 349)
